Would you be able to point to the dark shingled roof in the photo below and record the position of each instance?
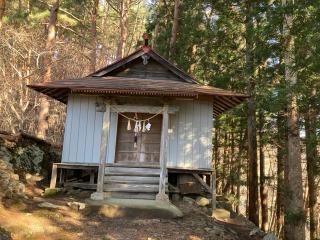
(99, 83)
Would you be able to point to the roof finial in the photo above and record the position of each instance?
(146, 39)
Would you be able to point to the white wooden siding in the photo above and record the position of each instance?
(82, 133)
(190, 133)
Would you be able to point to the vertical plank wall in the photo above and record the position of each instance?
(82, 133)
(190, 135)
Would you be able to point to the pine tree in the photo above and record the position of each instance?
(174, 30)
(252, 130)
(44, 103)
(294, 228)
(124, 25)
(93, 53)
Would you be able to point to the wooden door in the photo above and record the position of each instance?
(147, 151)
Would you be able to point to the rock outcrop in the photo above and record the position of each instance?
(28, 159)
(20, 156)
(9, 181)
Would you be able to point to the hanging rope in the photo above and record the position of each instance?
(134, 119)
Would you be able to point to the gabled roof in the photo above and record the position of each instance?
(145, 50)
(121, 78)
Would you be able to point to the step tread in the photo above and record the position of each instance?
(132, 165)
(129, 195)
(155, 182)
(131, 174)
(132, 179)
(136, 170)
(127, 187)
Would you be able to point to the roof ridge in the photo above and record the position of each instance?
(155, 55)
(174, 65)
(115, 62)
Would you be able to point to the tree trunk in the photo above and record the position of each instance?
(2, 9)
(93, 53)
(232, 161)
(157, 29)
(155, 35)
(281, 159)
(253, 210)
(311, 155)
(224, 163)
(124, 26)
(242, 140)
(216, 150)
(44, 103)
(263, 189)
(174, 29)
(193, 57)
(294, 221)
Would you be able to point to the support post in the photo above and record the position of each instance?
(91, 176)
(61, 176)
(162, 196)
(213, 189)
(54, 174)
(202, 182)
(103, 152)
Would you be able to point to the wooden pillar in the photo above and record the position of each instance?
(54, 173)
(163, 156)
(103, 152)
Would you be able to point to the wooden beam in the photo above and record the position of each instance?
(236, 99)
(224, 104)
(54, 173)
(216, 110)
(215, 114)
(219, 107)
(230, 101)
(82, 166)
(47, 90)
(203, 183)
(162, 196)
(189, 170)
(61, 93)
(143, 109)
(103, 149)
(82, 185)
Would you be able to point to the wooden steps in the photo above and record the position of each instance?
(136, 171)
(128, 195)
(131, 179)
(131, 182)
(131, 187)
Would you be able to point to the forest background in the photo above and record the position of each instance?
(266, 151)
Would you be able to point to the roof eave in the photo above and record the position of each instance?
(222, 102)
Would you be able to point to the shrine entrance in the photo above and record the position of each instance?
(138, 142)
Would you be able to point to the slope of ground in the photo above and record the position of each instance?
(26, 220)
(25, 164)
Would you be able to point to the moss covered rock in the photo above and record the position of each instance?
(28, 159)
(9, 181)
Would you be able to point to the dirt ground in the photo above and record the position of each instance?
(26, 220)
